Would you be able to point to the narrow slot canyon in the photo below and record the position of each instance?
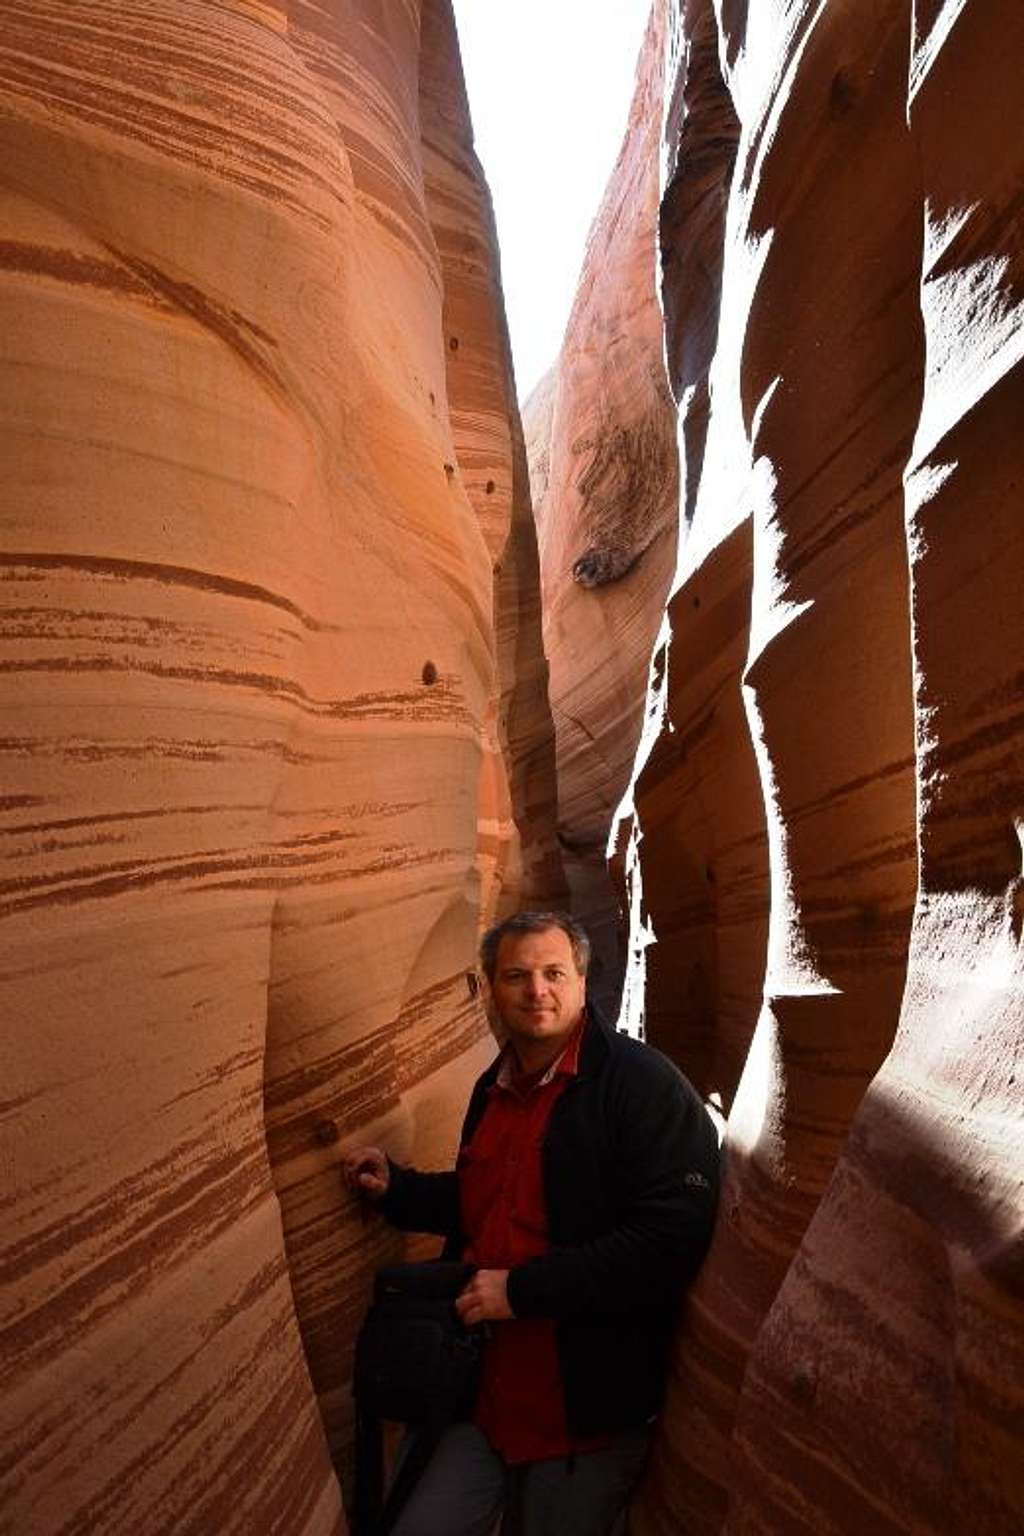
(322, 653)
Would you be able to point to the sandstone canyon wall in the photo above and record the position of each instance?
(519, 774)
(270, 715)
(831, 817)
(601, 441)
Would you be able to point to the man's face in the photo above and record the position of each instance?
(538, 992)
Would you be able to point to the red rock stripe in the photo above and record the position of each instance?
(135, 1194)
(106, 886)
(226, 324)
(71, 823)
(90, 881)
(834, 531)
(37, 564)
(257, 1286)
(957, 750)
(437, 704)
(176, 134)
(244, 1062)
(894, 852)
(185, 1219)
(864, 781)
(225, 131)
(202, 750)
(74, 267)
(264, 1453)
(204, 57)
(354, 1085)
(376, 809)
(214, 859)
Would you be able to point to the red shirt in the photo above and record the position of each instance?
(521, 1406)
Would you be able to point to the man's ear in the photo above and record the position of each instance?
(487, 998)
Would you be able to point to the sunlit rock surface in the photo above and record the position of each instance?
(601, 440)
(831, 816)
(261, 462)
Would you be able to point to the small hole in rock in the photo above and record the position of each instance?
(843, 93)
(803, 1384)
(453, 344)
(489, 488)
(429, 673)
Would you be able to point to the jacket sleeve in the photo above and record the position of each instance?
(667, 1179)
(422, 1202)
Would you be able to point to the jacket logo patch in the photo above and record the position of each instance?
(696, 1181)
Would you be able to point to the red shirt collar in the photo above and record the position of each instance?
(566, 1064)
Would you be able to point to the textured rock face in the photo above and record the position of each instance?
(519, 769)
(254, 800)
(831, 852)
(601, 441)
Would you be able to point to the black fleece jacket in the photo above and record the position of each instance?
(630, 1163)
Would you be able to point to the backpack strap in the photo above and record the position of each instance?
(411, 1467)
(368, 1496)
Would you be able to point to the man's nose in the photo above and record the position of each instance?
(536, 984)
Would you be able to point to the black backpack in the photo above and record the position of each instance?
(415, 1364)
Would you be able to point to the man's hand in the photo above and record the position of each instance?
(485, 1298)
(366, 1171)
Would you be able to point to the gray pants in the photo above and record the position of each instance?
(467, 1486)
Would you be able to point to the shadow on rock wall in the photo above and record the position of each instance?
(828, 828)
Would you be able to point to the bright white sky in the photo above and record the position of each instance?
(550, 82)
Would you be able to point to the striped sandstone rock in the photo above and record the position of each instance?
(831, 854)
(269, 723)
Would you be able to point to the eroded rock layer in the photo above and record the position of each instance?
(601, 441)
(831, 852)
(518, 785)
(254, 797)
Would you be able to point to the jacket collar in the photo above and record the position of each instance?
(596, 1042)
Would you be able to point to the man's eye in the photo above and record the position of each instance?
(555, 975)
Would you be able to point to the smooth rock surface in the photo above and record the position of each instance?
(600, 431)
(254, 801)
(830, 853)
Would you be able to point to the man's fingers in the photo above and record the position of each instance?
(366, 1171)
(468, 1304)
(485, 1297)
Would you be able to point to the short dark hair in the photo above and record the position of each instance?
(535, 922)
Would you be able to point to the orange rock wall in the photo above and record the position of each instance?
(601, 440)
(254, 800)
(518, 796)
(830, 818)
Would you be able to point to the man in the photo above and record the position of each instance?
(584, 1193)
